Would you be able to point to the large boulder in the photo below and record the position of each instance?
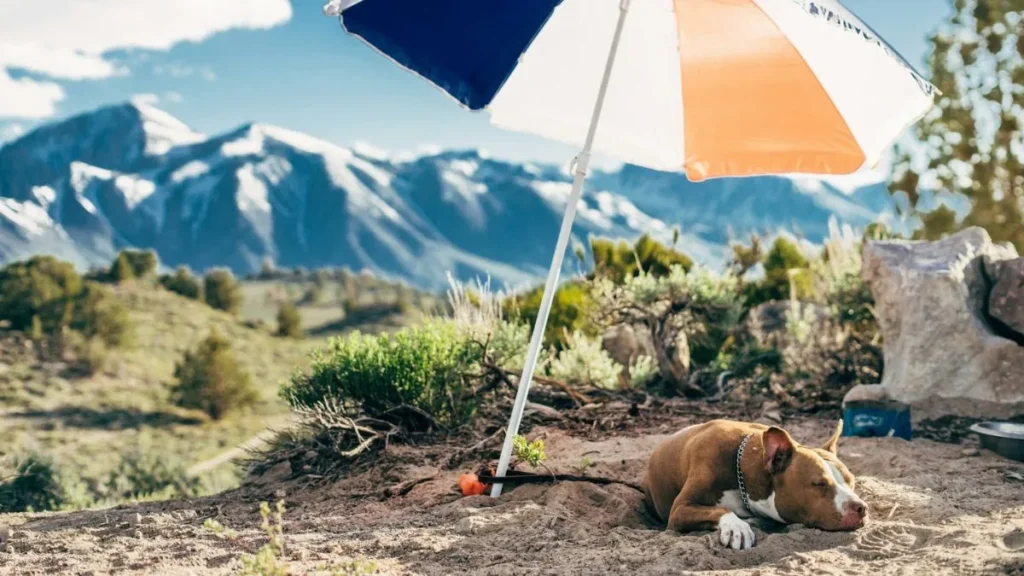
(1006, 301)
(943, 353)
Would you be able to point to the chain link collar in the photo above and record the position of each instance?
(739, 474)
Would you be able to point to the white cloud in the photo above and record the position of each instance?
(28, 98)
(174, 97)
(11, 131)
(71, 41)
(179, 70)
(147, 99)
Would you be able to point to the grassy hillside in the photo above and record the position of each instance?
(89, 422)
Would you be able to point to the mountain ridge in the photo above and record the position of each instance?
(130, 175)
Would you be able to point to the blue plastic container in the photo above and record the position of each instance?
(875, 419)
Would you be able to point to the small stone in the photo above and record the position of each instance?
(969, 452)
(135, 519)
(138, 535)
(277, 474)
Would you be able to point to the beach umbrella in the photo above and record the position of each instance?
(715, 88)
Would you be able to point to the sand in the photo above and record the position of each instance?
(935, 509)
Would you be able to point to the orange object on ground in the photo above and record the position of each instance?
(471, 485)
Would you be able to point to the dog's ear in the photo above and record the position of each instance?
(778, 450)
(833, 443)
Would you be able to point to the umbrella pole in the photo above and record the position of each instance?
(550, 287)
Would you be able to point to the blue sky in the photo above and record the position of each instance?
(297, 70)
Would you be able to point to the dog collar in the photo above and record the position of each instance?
(739, 474)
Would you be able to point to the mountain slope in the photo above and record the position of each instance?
(132, 175)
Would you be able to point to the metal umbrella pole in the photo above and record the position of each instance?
(581, 165)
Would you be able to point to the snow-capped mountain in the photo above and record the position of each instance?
(132, 175)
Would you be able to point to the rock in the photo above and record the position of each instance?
(1006, 301)
(676, 360)
(942, 355)
(768, 320)
(626, 342)
(275, 475)
(970, 452)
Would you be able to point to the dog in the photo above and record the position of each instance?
(710, 476)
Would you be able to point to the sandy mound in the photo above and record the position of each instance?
(936, 509)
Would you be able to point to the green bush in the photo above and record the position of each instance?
(129, 264)
(43, 288)
(312, 295)
(145, 473)
(99, 314)
(44, 296)
(584, 363)
(121, 269)
(571, 311)
(183, 283)
(222, 291)
(785, 269)
(289, 322)
(91, 355)
(40, 484)
(420, 367)
(619, 260)
(210, 379)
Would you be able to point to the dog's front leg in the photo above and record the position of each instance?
(732, 531)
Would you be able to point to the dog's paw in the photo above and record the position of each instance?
(735, 533)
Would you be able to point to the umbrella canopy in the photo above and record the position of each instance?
(713, 87)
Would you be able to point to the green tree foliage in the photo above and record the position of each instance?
(222, 291)
(183, 283)
(289, 322)
(746, 257)
(99, 314)
(39, 484)
(210, 379)
(44, 295)
(143, 263)
(121, 269)
(972, 141)
(785, 269)
(618, 260)
(41, 287)
(571, 311)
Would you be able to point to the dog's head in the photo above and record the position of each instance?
(811, 486)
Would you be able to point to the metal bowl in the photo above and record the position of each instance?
(1003, 438)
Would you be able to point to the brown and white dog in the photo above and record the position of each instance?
(710, 476)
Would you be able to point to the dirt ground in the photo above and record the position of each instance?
(935, 509)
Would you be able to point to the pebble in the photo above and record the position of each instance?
(969, 452)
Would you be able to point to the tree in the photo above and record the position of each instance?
(785, 270)
(618, 260)
(744, 258)
(143, 262)
(183, 283)
(41, 291)
(222, 291)
(289, 322)
(971, 143)
(121, 269)
(210, 379)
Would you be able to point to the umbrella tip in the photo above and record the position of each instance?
(336, 7)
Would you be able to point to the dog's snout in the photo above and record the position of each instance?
(857, 508)
(855, 514)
